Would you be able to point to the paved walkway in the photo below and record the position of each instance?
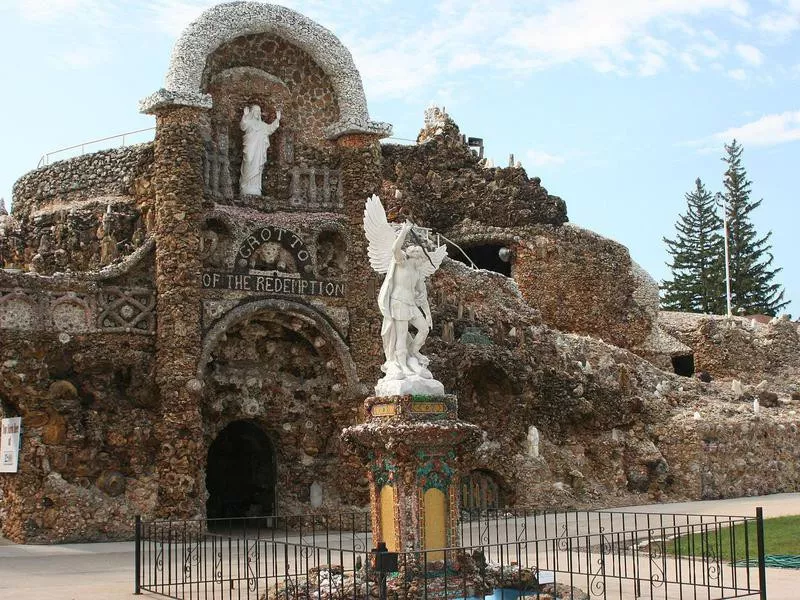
(105, 571)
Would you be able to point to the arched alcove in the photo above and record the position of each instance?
(241, 473)
(225, 22)
(306, 321)
(481, 490)
(281, 366)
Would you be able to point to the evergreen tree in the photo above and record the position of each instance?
(698, 281)
(752, 287)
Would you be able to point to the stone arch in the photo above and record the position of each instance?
(289, 312)
(70, 314)
(482, 489)
(18, 311)
(223, 23)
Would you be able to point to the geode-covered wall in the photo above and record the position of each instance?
(158, 329)
(80, 214)
(88, 405)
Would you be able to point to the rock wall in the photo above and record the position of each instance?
(80, 214)
(442, 183)
(88, 406)
(740, 348)
(104, 173)
(730, 452)
(178, 179)
(572, 421)
(585, 283)
(175, 326)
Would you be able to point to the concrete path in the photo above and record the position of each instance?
(105, 571)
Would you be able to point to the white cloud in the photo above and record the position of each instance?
(687, 59)
(782, 20)
(401, 54)
(737, 74)
(390, 72)
(779, 23)
(540, 158)
(47, 10)
(766, 131)
(582, 29)
(750, 54)
(467, 60)
(651, 64)
(624, 37)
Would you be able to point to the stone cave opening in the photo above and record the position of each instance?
(240, 473)
(683, 365)
(485, 256)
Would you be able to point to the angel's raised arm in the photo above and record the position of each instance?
(399, 240)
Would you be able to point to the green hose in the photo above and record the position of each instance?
(781, 561)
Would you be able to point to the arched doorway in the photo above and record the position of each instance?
(480, 491)
(240, 473)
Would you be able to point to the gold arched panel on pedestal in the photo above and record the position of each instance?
(388, 531)
(435, 510)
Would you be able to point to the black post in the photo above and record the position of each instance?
(137, 556)
(762, 566)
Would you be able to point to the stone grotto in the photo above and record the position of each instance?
(178, 345)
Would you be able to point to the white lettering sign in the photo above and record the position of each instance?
(9, 444)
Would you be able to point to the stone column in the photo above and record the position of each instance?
(179, 184)
(361, 177)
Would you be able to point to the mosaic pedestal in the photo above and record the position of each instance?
(412, 447)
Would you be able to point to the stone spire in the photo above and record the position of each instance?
(3, 211)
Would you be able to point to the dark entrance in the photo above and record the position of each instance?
(492, 257)
(240, 474)
(683, 365)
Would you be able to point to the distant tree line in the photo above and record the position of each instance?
(698, 282)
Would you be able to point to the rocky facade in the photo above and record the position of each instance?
(176, 349)
(80, 214)
(741, 348)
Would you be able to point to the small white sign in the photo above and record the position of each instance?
(9, 444)
(546, 577)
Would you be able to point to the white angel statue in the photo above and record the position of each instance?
(403, 300)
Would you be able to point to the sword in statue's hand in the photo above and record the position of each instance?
(419, 243)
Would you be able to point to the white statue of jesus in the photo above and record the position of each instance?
(254, 148)
(403, 301)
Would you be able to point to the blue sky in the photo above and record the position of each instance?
(617, 105)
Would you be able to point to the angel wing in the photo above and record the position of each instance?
(380, 234)
(427, 269)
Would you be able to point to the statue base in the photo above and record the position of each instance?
(413, 385)
(413, 448)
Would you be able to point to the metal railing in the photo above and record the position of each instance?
(45, 159)
(504, 554)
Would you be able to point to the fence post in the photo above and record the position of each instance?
(762, 567)
(137, 556)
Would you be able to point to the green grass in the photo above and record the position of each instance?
(781, 536)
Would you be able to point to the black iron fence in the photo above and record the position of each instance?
(503, 554)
